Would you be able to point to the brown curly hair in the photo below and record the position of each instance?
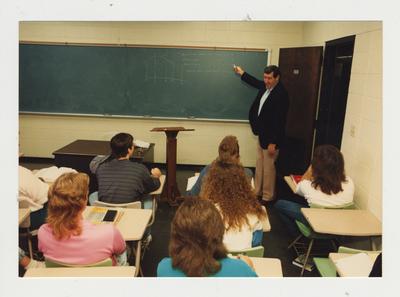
(67, 199)
(196, 238)
(226, 185)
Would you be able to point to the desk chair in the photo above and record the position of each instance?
(25, 226)
(53, 263)
(325, 266)
(136, 204)
(307, 232)
(257, 251)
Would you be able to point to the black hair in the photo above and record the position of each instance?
(120, 144)
(273, 69)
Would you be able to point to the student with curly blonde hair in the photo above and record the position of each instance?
(67, 237)
(196, 247)
(227, 186)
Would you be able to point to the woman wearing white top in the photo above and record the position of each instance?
(324, 183)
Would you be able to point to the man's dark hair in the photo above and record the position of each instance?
(273, 69)
(120, 144)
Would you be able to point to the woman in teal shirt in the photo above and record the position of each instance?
(196, 247)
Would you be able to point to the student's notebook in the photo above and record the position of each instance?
(355, 265)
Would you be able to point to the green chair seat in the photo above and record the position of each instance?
(257, 251)
(325, 267)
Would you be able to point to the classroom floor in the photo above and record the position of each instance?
(275, 242)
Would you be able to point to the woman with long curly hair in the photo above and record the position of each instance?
(227, 186)
(324, 184)
(67, 237)
(196, 247)
(228, 148)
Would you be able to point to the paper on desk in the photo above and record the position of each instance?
(50, 174)
(191, 181)
(141, 143)
(356, 265)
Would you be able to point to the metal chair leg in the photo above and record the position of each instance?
(307, 255)
(294, 241)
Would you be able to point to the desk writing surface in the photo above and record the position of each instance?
(109, 271)
(334, 257)
(160, 188)
(265, 222)
(93, 148)
(23, 213)
(267, 267)
(290, 183)
(349, 222)
(132, 223)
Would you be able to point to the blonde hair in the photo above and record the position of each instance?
(67, 198)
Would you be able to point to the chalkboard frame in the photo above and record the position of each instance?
(143, 117)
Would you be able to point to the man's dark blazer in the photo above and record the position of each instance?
(270, 124)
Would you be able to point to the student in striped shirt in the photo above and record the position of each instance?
(119, 179)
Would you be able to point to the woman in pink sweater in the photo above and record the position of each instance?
(67, 237)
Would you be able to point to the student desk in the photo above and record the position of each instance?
(78, 154)
(290, 183)
(23, 213)
(347, 222)
(132, 226)
(333, 257)
(267, 267)
(110, 271)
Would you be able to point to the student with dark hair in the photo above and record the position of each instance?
(228, 149)
(119, 179)
(67, 237)
(267, 117)
(324, 183)
(196, 247)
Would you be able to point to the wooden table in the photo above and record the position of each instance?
(113, 271)
(132, 226)
(172, 191)
(23, 213)
(78, 154)
(267, 267)
(348, 222)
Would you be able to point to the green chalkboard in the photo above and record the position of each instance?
(136, 81)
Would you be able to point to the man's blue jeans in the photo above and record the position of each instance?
(290, 211)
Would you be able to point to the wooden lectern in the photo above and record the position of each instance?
(172, 191)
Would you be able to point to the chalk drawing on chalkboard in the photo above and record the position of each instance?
(161, 68)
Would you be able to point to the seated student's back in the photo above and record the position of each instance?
(119, 179)
(196, 248)
(67, 237)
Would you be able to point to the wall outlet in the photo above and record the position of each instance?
(353, 131)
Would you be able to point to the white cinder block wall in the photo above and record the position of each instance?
(362, 150)
(41, 135)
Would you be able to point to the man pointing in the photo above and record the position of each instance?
(267, 116)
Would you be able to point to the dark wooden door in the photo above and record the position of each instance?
(335, 81)
(301, 70)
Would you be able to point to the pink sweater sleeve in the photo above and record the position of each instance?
(119, 244)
